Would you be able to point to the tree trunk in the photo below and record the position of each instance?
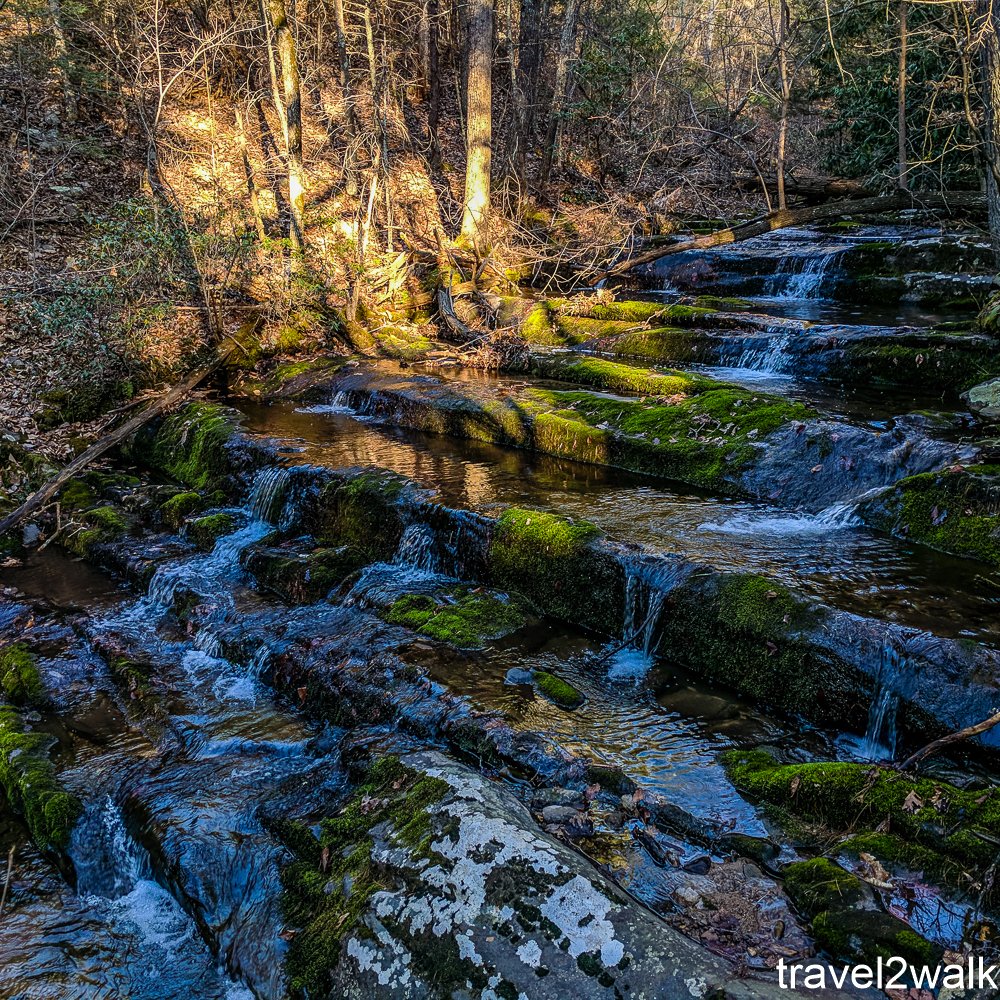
(988, 23)
(786, 91)
(285, 44)
(479, 125)
(528, 63)
(903, 183)
(351, 129)
(567, 43)
(434, 98)
(253, 191)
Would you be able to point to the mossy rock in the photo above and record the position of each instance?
(205, 531)
(549, 559)
(302, 577)
(952, 511)
(750, 634)
(858, 798)
(362, 512)
(463, 617)
(180, 506)
(29, 782)
(832, 899)
(20, 681)
(98, 526)
(191, 445)
(327, 888)
(557, 690)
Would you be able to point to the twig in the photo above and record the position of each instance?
(6, 884)
(957, 737)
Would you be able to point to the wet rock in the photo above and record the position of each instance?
(560, 814)
(483, 897)
(984, 399)
(562, 797)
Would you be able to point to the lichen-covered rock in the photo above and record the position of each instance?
(443, 886)
(984, 399)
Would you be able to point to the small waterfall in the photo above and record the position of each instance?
(648, 582)
(268, 493)
(108, 862)
(879, 742)
(799, 278)
(768, 354)
(259, 662)
(416, 548)
(839, 515)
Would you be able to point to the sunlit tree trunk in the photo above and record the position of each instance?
(288, 62)
(567, 43)
(987, 24)
(347, 95)
(786, 92)
(479, 124)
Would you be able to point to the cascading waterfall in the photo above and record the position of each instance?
(879, 742)
(799, 278)
(648, 582)
(264, 505)
(416, 548)
(768, 354)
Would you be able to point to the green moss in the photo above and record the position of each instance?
(692, 428)
(759, 607)
(20, 680)
(328, 887)
(78, 495)
(190, 445)
(954, 512)
(304, 577)
(557, 690)
(895, 852)
(933, 368)
(830, 897)
(538, 328)
(176, 510)
(662, 344)
(549, 560)
(648, 312)
(28, 779)
(100, 525)
(460, 616)
(856, 797)
(204, 531)
(361, 512)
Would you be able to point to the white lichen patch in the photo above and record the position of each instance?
(478, 844)
(389, 962)
(579, 910)
(530, 954)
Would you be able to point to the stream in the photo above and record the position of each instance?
(172, 883)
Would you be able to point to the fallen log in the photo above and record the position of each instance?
(812, 188)
(939, 744)
(784, 218)
(163, 403)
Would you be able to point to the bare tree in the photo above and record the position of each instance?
(292, 91)
(479, 125)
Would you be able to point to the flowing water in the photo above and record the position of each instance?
(175, 880)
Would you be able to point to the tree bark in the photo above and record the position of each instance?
(434, 98)
(902, 181)
(287, 59)
(987, 25)
(479, 125)
(786, 92)
(567, 43)
(351, 129)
